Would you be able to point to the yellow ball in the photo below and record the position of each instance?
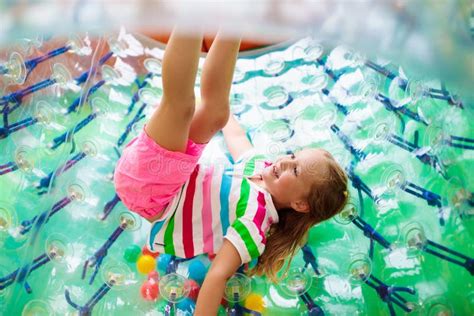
(146, 264)
(255, 302)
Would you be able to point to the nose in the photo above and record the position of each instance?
(286, 164)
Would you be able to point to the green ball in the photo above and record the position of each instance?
(132, 253)
(221, 311)
(160, 305)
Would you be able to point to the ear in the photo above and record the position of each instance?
(301, 206)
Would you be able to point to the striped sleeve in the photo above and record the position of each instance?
(247, 238)
(246, 232)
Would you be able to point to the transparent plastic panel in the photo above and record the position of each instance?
(71, 103)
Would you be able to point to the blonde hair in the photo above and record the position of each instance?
(328, 196)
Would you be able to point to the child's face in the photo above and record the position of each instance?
(290, 177)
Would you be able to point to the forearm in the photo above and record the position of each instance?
(210, 295)
(236, 138)
(224, 265)
(233, 128)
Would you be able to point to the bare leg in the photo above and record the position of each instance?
(170, 123)
(216, 80)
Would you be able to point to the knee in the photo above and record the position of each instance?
(218, 118)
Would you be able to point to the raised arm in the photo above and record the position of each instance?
(236, 138)
(224, 265)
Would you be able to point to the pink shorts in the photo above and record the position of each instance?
(148, 176)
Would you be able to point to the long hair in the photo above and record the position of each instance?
(328, 196)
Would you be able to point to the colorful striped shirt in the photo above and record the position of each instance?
(217, 203)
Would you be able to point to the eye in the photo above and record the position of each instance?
(293, 156)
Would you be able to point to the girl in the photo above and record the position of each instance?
(254, 209)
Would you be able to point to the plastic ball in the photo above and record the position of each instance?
(186, 306)
(221, 311)
(146, 251)
(132, 253)
(197, 271)
(146, 264)
(193, 289)
(255, 302)
(163, 261)
(149, 290)
(153, 275)
(160, 306)
(224, 302)
(252, 264)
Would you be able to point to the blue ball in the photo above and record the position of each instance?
(163, 261)
(197, 271)
(186, 306)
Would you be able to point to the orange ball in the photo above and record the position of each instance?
(145, 251)
(146, 264)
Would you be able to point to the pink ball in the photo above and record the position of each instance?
(153, 275)
(149, 290)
